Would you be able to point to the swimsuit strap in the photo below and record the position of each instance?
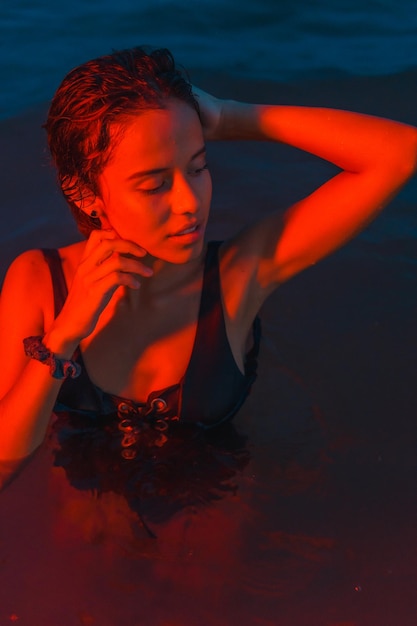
(211, 286)
(211, 328)
(59, 285)
(213, 384)
(211, 305)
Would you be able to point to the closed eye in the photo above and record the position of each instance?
(149, 192)
(155, 188)
(199, 170)
(165, 184)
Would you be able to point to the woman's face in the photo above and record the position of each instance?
(156, 189)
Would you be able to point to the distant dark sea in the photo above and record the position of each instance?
(281, 40)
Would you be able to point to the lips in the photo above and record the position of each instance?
(187, 229)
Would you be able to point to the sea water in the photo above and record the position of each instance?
(40, 40)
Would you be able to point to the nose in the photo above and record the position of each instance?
(185, 196)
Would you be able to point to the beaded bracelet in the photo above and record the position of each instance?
(59, 368)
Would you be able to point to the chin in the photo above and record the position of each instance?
(187, 255)
(181, 253)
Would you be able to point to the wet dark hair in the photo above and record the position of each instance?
(90, 99)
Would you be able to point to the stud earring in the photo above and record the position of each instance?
(93, 214)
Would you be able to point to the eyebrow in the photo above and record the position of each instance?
(162, 169)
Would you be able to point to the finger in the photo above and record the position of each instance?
(105, 285)
(96, 237)
(103, 236)
(100, 249)
(130, 265)
(119, 252)
(131, 246)
(118, 264)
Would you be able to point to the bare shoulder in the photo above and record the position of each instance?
(27, 287)
(27, 269)
(253, 244)
(28, 280)
(241, 260)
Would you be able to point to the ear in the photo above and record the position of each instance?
(94, 209)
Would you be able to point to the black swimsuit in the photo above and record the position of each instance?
(212, 389)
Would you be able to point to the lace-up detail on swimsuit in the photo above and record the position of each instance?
(134, 418)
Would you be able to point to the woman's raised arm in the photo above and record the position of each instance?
(377, 156)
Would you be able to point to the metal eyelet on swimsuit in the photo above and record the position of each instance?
(158, 405)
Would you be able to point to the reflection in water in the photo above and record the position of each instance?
(223, 526)
(236, 512)
(158, 477)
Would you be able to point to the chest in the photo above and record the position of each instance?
(134, 353)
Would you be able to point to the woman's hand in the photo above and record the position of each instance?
(211, 113)
(227, 119)
(108, 263)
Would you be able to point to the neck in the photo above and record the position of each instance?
(167, 279)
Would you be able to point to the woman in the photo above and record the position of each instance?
(143, 318)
